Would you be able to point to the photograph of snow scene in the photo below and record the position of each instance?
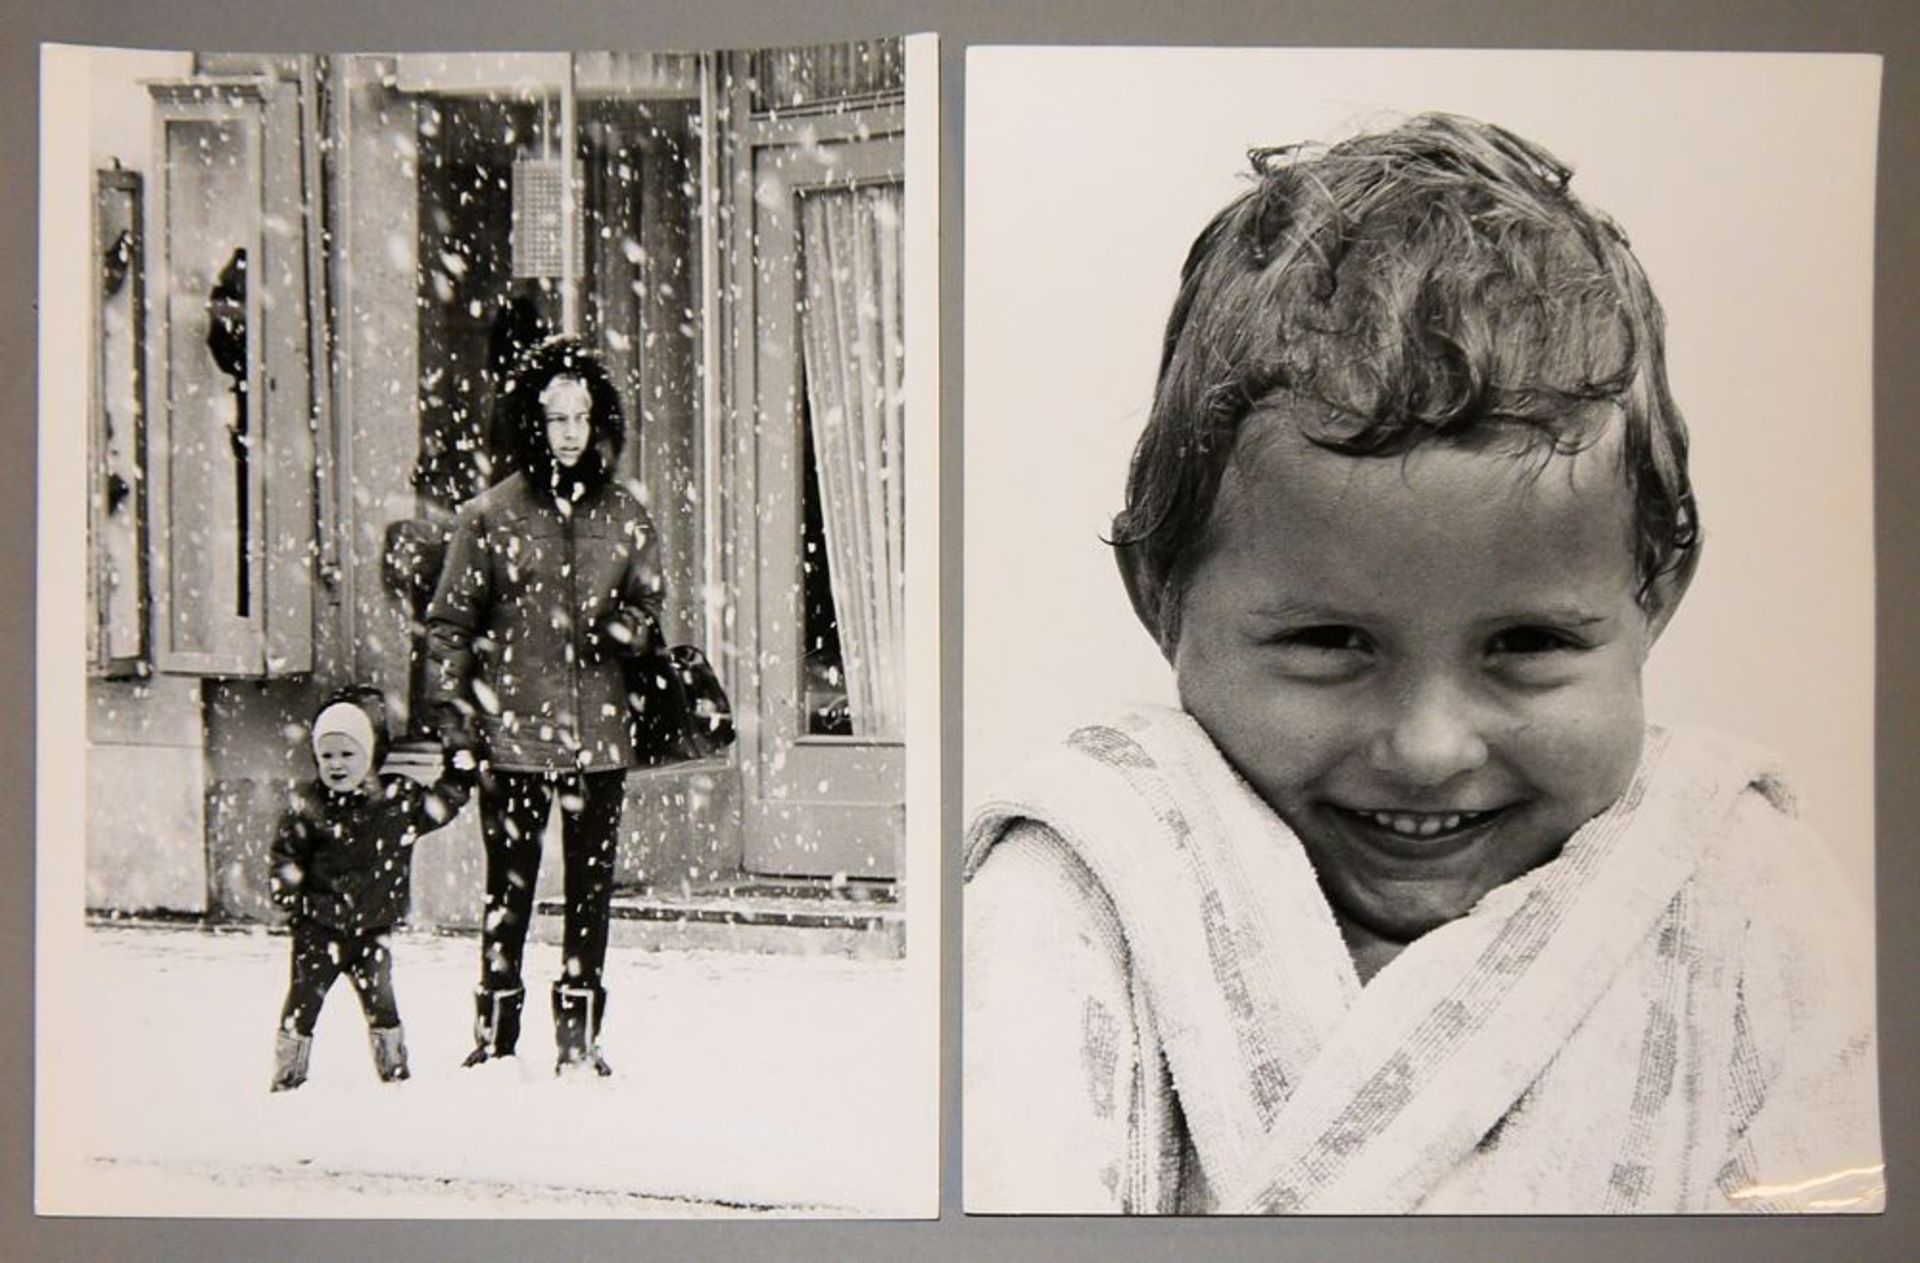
(488, 737)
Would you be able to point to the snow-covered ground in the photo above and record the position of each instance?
(743, 1084)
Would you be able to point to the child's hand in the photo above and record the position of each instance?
(459, 748)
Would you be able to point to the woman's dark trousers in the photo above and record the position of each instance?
(513, 815)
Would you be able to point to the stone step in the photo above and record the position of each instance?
(858, 920)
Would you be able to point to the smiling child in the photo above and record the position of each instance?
(1406, 907)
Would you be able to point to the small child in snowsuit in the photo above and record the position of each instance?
(342, 863)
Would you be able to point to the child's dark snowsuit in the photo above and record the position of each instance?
(342, 871)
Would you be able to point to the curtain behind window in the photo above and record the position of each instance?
(854, 346)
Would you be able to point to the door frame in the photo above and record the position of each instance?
(798, 789)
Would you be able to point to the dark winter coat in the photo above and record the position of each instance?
(346, 860)
(550, 580)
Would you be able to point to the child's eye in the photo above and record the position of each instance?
(1329, 638)
(1331, 652)
(1536, 656)
(1531, 640)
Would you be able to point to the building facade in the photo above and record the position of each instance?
(314, 272)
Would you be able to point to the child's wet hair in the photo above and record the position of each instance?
(1438, 281)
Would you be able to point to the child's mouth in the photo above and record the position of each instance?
(1419, 834)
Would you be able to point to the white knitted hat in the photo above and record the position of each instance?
(347, 719)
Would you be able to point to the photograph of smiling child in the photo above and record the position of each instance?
(1405, 906)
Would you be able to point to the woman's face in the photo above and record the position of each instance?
(568, 406)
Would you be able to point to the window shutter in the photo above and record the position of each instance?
(116, 440)
(288, 438)
(230, 451)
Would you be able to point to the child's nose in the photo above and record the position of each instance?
(1432, 734)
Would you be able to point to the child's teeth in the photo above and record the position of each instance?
(1417, 826)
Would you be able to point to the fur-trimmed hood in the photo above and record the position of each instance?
(524, 423)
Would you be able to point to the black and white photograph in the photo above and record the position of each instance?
(1419, 633)
(488, 738)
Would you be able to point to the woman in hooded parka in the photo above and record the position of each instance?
(551, 579)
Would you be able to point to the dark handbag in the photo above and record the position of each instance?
(676, 709)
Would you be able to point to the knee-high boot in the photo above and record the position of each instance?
(577, 1012)
(496, 1023)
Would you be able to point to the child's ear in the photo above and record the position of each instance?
(1668, 588)
(1142, 594)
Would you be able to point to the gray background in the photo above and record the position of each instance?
(1888, 27)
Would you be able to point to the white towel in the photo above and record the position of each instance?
(1674, 1014)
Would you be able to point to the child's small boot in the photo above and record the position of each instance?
(496, 1023)
(389, 1052)
(290, 1052)
(576, 1028)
